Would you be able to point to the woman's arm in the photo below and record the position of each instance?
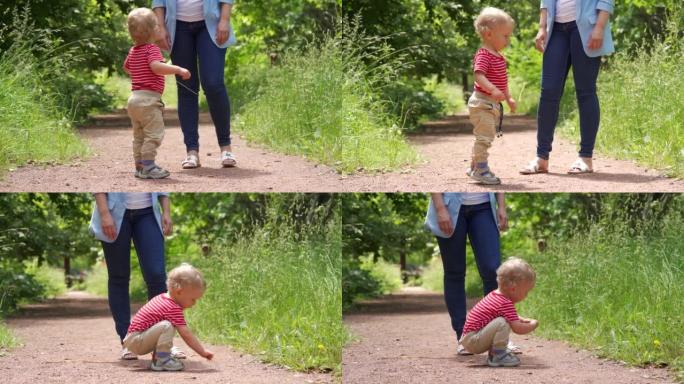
(501, 211)
(443, 217)
(164, 41)
(540, 40)
(167, 224)
(106, 220)
(223, 27)
(596, 38)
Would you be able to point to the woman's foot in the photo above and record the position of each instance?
(178, 353)
(581, 165)
(228, 159)
(538, 165)
(191, 161)
(128, 355)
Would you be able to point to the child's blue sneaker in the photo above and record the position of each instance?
(166, 364)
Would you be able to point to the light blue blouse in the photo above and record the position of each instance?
(116, 202)
(452, 201)
(212, 15)
(587, 14)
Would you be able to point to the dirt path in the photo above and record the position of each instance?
(72, 340)
(407, 338)
(260, 170)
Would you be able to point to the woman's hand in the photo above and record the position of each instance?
(540, 40)
(596, 38)
(503, 218)
(164, 40)
(108, 226)
(444, 221)
(167, 225)
(222, 31)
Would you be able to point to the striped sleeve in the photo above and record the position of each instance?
(507, 311)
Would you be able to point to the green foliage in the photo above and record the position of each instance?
(321, 103)
(50, 278)
(412, 102)
(275, 292)
(30, 110)
(616, 288)
(357, 283)
(387, 274)
(7, 340)
(16, 287)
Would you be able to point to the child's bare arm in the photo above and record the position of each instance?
(160, 68)
(523, 326)
(192, 342)
(488, 86)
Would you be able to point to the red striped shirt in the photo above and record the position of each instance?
(494, 69)
(138, 64)
(492, 306)
(161, 307)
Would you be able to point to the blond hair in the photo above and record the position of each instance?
(185, 275)
(490, 18)
(142, 24)
(515, 271)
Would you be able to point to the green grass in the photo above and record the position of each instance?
(276, 294)
(34, 129)
(642, 110)
(120, 88)
(7, 340)
(388, 275)
(320, 104)
(433, 276)
(615, 289)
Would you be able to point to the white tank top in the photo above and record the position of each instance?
(190, 10)
(565, 11)
(138, 200)
(474, 198)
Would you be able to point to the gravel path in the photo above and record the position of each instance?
(444, 154)
(407, 338)
(71, 339)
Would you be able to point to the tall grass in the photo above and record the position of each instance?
(642, 109)
(616, 289)
(323, 103)
(7, 340)
(277, 293)
(34, 129)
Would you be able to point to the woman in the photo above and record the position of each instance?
(572, 33)
(199, 30)
(453, 217)
(117, 219)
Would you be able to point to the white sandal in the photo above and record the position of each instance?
(228, 159)
(533, 168)
(191, 161)
(128, 355)
(579, 167)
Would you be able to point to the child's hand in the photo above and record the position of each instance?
(498, 95)
(511, 104)
(207, 354)
(183, 73)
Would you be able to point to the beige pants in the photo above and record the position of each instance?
(493, 335)
(158, 337)
(484, 115)
(145, 110)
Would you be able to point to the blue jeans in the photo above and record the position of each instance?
(564, 50)
(192, 42)
(141, 226)
(477, 223)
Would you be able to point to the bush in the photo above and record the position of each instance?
(357, 284)
(50, 278)
(276, 293)
(411, 103)
(322, 103)
(387, 275)
(616, 289)
(16, 287)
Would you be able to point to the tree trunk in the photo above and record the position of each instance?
(67, 268)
